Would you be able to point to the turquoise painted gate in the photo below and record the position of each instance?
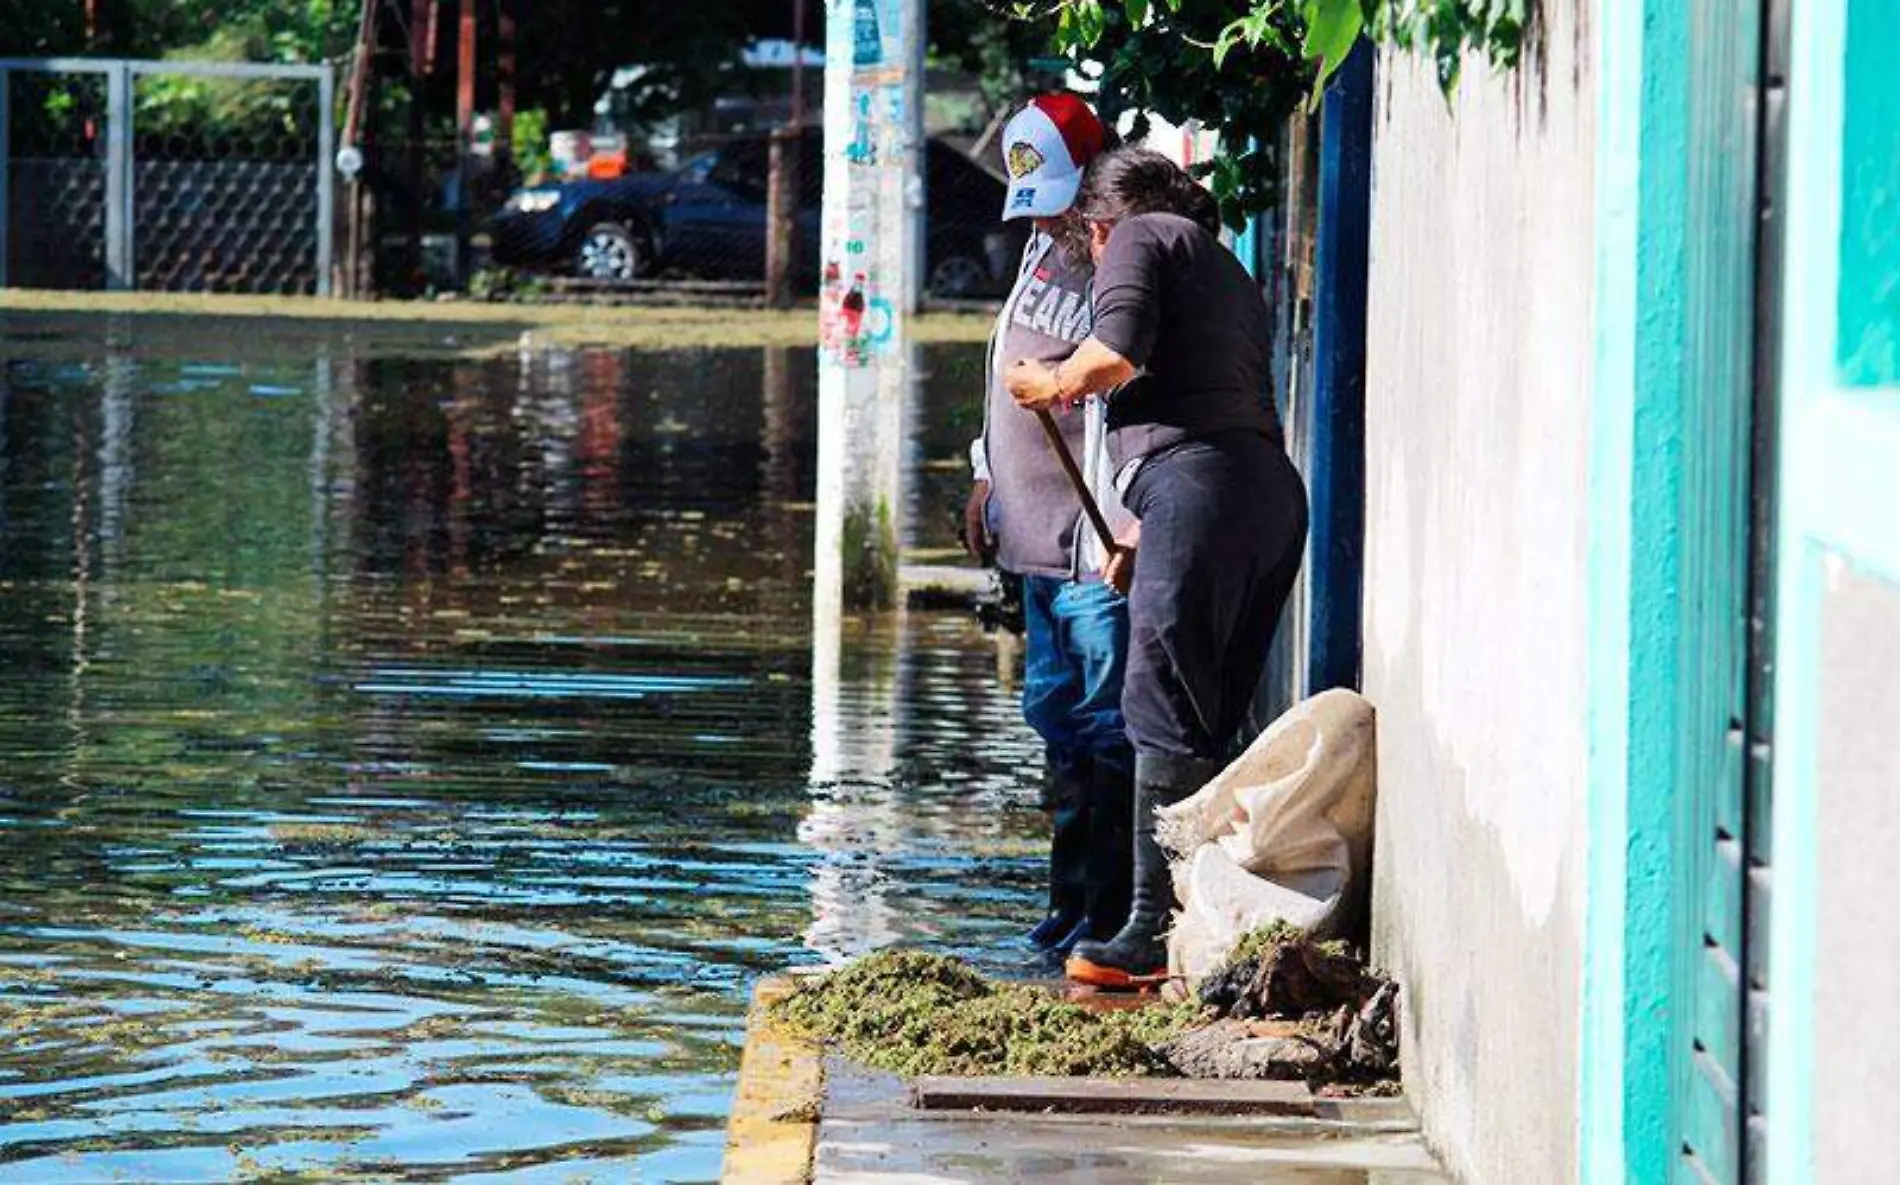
(1679, 559)
(1723, 72)
(1745, 498)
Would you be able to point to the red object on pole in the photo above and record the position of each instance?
(418, 36)
(464, 138)
(425, 34)
(465, 74)
(359, 73)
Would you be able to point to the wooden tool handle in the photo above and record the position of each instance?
(1089, 507)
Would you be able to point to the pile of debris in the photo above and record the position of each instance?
(1285, 1006)
(1282, 1006)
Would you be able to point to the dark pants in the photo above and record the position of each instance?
(1223, 529)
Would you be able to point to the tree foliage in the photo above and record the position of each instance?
(1180, 60)
(1241, 67)
(266, 117)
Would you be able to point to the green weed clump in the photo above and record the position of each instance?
(1257, 944)
(913, 1013)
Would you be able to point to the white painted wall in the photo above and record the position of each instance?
(1856, 1047)
(1478, 432)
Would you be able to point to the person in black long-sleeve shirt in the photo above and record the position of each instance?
(1180, 338)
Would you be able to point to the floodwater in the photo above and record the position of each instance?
(410, 759)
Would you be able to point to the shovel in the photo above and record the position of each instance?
(1089, 507)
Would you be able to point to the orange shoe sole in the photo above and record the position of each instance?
(1082, 970)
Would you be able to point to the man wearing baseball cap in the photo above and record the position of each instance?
(1024, 513)
(1046, 147)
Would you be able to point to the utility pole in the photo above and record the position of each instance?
(464, 135)
(872, 168)
(355, 121)
(785, 181)
(422, 34)
(506, 24)
(798, 63)
(781, 214)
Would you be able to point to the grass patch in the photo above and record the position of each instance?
(913, 1013)
(487, 327)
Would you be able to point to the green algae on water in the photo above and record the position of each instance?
(913, 1013)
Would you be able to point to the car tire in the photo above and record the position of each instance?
(958, 276)
(610, 252)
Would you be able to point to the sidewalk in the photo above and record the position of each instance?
(801, 1116)
(867, 1132)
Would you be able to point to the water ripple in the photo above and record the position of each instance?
(408, 761)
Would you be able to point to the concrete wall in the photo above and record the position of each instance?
(1856, 1050)
(1478, 436)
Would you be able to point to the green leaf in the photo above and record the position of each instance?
(1224, 44)
(1450, 63)
(1137, 11)
(1090, 22)
(1332, 27)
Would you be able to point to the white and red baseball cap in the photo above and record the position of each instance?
(1046, 146)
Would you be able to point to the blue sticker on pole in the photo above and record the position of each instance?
(867, 43)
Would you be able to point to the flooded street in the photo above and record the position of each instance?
(409, 758)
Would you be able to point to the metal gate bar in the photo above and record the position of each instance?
(119, 251)
(120, 218)
(9, 67)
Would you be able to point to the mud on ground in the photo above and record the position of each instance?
(500, 326)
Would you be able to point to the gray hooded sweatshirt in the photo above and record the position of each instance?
(1033, 511)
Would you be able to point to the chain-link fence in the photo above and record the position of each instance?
(174, 176)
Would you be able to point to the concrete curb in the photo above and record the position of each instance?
(773, 1132)
(942, 587)
(1112, 1096)
(785, 1093)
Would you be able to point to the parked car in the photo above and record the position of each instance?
(707, 219)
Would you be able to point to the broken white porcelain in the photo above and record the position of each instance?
(1285, 832)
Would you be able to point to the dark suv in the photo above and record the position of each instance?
(707, 218)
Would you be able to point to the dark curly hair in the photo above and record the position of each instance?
(1131, 181)
(1071, 234)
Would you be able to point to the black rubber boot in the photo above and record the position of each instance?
(1110, 872)
(1137, 956)
(1060, 948)
(1066, 794)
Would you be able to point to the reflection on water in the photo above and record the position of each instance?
(408, 762)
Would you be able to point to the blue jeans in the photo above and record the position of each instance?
(1076, 654)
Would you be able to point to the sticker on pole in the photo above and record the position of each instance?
(349, 161)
